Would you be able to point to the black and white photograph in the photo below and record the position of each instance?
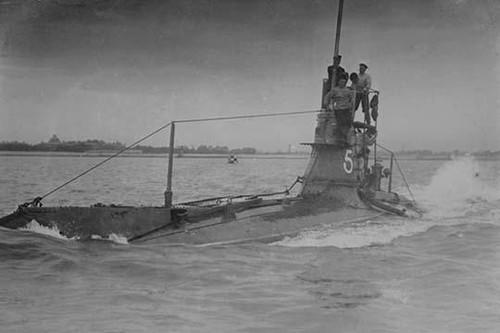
(250, 166)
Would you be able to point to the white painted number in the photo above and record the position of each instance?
(348, 164)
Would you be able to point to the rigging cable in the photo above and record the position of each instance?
(400, 171)
(38, 199)
(404, 179)
(106, 160)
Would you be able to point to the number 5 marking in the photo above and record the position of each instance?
(348, 164)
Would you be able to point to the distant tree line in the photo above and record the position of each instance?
(65, 146)
(203, 149)
(56, 145)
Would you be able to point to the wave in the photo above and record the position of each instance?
(460, 187)
(461, 191)
(37, 228)
(359, 234)
(26, 248)
(118, 239)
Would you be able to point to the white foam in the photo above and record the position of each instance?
(111, 238)
(456, 189)
(459, 189)
(357, 235)
(34, 226)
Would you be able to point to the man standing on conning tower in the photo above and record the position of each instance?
(362, 89)
(339, 71)
(340, 101)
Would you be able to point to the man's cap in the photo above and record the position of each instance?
(363, 64)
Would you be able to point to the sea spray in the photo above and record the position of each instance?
(34, 226)
(111, 238)
(457, 189)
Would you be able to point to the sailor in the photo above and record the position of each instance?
(354, 86)
(340, 100)
(354, 81)
(338, 73)
(362, 89)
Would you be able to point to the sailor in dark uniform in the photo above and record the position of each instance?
(339, 73)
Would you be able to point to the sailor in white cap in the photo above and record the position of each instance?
(362, 88)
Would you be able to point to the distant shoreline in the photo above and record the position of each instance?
(406, 157)
(145, 155)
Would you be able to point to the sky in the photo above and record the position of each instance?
(116, 70)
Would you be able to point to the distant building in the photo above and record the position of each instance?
(54, 140)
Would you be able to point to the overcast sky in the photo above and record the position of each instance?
(119, 69)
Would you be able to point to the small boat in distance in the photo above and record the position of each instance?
(339, 185)
(232, 159)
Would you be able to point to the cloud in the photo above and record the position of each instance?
(68, 59)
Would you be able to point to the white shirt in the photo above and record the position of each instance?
(365, 82)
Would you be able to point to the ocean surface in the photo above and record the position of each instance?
(438, 273)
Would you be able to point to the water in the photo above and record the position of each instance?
(440, 273)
